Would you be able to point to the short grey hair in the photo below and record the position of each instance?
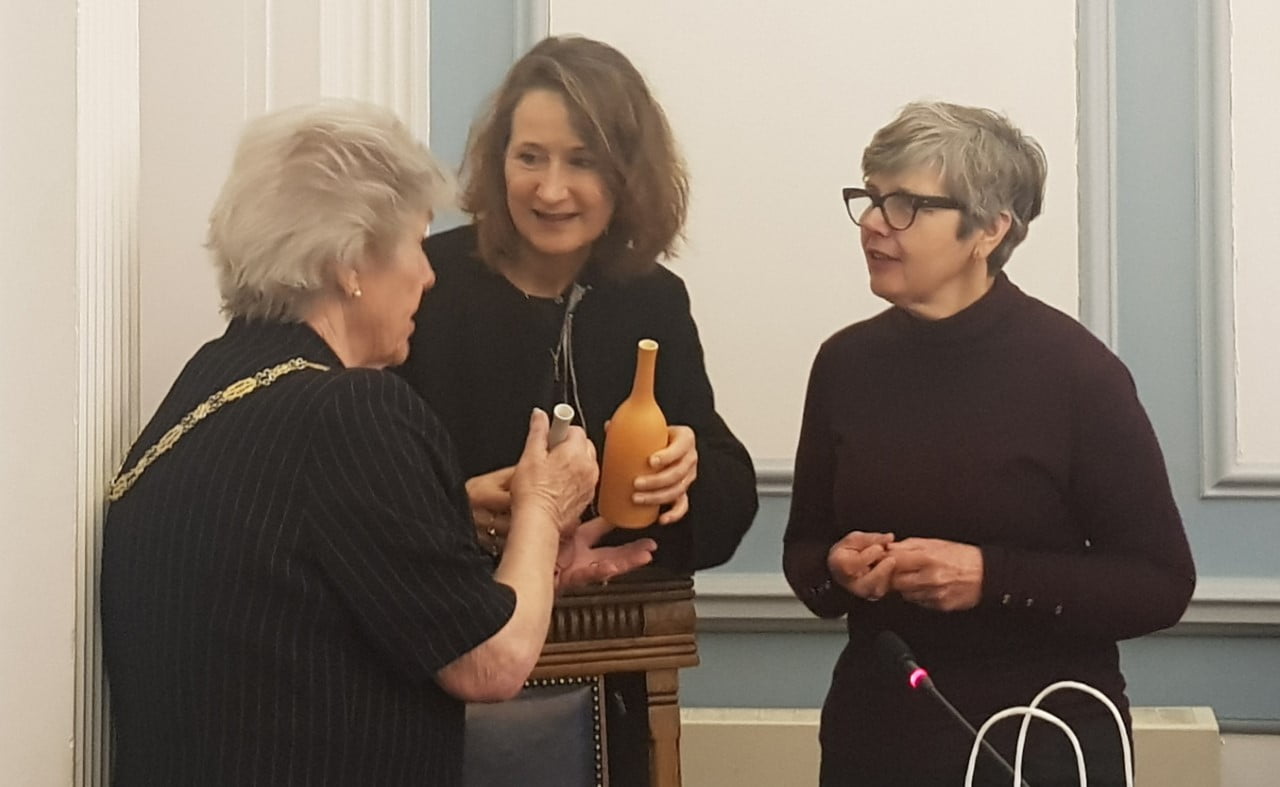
(984, 161)
(314, 190)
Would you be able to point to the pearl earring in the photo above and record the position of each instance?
(358, 292)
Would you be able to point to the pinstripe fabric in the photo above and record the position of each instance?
(279, 590)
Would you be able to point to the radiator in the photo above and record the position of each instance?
(759, 747)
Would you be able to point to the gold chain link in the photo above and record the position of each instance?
(125, 480)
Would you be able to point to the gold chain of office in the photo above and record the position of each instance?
(125, 480)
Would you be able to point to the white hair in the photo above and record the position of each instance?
(315, 190)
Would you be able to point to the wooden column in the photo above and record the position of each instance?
(664, 727)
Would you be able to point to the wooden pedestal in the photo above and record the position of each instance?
(641, 623)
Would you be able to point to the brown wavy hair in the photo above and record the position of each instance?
(623, 127)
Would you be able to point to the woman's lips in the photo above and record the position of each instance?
(878, 256)
(553, 217)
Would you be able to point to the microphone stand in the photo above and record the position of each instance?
(927, 683)
(895, 653)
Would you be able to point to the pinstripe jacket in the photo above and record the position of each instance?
(280, 588)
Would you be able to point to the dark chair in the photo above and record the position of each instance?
(551, 735)
(640, 625)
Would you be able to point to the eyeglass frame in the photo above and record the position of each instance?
(918, 201)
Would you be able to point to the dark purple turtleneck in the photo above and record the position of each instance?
(1010, 427)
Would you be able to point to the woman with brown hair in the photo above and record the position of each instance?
(576, 190)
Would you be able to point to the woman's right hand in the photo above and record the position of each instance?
(490, 498)
(861, 564)
(562, 481)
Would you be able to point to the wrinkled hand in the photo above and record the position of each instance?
(861, 564)
(561, 481)
(581, 562)
(938, 574)
(675, 468)
(490, 498)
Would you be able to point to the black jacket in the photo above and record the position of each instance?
(281, 587)
(483, 356)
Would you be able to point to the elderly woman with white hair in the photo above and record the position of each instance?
(975, 473)
(292, 589)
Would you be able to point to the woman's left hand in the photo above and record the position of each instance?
(937, 574)
(581, 562)
(675, 468)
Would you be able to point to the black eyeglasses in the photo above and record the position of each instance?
(898, 207)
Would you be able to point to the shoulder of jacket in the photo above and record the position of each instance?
(341, 390)
(452, 252)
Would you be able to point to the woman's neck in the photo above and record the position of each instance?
(328, 319)
(541, 275)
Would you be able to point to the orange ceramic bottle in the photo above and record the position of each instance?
(637, 430)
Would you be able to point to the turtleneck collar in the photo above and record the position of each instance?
(969, 323)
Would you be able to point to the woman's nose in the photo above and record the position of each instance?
(874, 221)
(428, 274)
(553, 186)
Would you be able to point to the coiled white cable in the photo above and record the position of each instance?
(1026, 712)
(1087, 689)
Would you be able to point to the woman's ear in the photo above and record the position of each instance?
(989, 237)
(349, 283)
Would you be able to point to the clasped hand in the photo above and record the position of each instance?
(931, 572)
(560, 482)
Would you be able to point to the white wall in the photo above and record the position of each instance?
(773, 103)
(38, 384)
(204, 71)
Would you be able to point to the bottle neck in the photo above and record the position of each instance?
(646, 361)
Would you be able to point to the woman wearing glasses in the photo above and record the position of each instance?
(975, 473)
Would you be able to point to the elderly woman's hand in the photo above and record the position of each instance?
(938, 574)
(675, 468)
(490, 498)
(860, 563)
(581, 562)
(562, 481)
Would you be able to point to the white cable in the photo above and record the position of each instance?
(1087, 689)
(1026, 712)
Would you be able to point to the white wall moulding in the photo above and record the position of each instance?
(265, 55)
(1095, 59)
(107, 174)
(533, 20)
(1239, 244)
(762, 601)
(378, 51)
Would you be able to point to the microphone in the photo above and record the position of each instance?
(894, 653)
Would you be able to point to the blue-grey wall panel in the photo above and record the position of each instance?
(1158, 276)
(1234, 675)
